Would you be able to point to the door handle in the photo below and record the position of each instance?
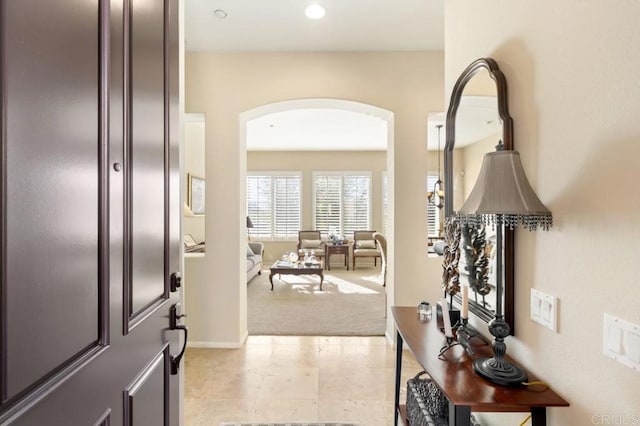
(174, 317)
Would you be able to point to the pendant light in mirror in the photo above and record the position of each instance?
(436, 196)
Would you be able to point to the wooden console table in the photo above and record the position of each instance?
(465, 390)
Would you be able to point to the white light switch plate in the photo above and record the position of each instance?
(621, 340)
(544, 309)
(633, 349)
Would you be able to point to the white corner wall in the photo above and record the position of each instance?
(572, 73)
(223, 85)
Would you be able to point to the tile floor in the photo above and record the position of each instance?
(292, 378)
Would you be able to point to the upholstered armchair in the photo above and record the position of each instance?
(310, 242)
(365, 246)
(382, 245)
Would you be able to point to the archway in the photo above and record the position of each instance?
(352, 107)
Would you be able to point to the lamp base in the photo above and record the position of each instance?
(499, 372)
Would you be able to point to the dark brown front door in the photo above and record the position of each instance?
(90, 212)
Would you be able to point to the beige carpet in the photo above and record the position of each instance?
(351, 303)
(288, 424)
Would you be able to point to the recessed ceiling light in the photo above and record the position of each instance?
(220, 13)
(314, 11)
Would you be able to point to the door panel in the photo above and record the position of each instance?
(147, 393)
(90, 206)
(52, 269)
(104, 420)
(147, 150)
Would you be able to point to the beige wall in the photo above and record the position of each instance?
(472, 156)
(223, 85)
(307, 162)
(572, 73)
(194, 140)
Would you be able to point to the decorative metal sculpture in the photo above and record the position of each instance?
(476, 258)
(450, 272)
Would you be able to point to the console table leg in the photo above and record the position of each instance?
(459, 415)
(398, 374)
(538, 416)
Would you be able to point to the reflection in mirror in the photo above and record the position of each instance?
(476, 123)
(435, 184)
(478, 130)
(193, 180)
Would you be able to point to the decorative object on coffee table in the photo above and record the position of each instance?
(502, 197)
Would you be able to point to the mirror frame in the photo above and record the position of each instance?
(476, 66)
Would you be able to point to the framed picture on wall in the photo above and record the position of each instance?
(196, 194)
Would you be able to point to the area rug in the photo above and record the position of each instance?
(288, 424)
(351, 303)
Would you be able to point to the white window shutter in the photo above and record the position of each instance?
(273, 204)
(433, 213)
(342, 203)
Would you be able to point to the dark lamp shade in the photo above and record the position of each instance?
(249, 223)
(502, 195)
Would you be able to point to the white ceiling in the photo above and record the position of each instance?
(316, 129)
(281, 25)
(476, 119)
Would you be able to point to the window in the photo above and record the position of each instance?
(342, 202)
(433, 213)
(273, 204)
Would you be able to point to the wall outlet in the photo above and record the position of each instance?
(621, 341)
(544, 309)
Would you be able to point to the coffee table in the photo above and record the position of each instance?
(288, 268)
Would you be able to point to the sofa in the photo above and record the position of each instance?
(255, 251)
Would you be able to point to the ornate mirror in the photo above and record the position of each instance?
(477, 121)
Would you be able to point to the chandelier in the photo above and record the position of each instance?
(436, 196)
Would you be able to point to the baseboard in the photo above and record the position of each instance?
(245, 337)
(220, 345)
(391, 339)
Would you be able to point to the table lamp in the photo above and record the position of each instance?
(502, 196)
(249, 226)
